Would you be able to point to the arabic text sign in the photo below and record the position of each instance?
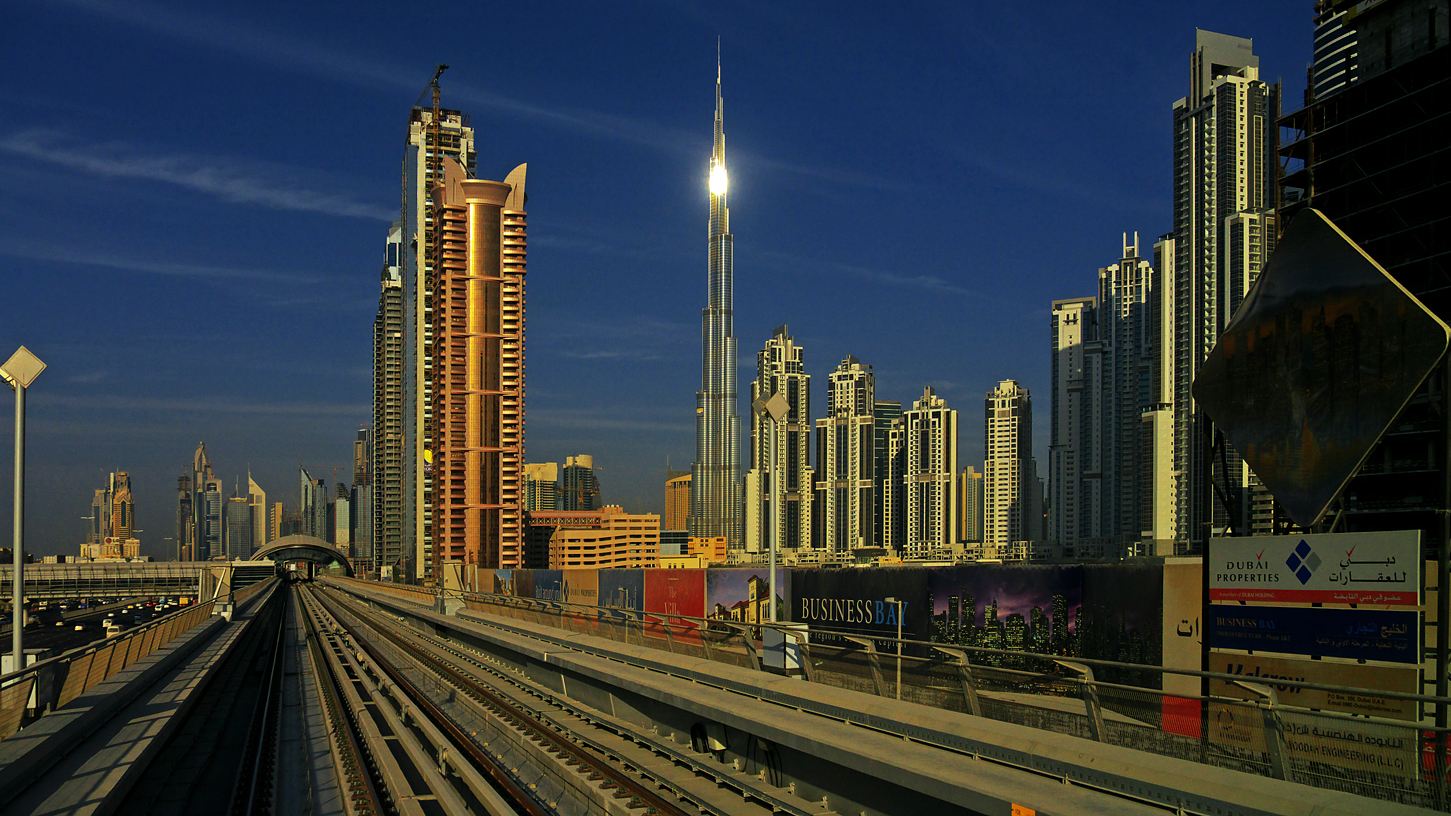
(1359, 633)
(1358, 568)
(1361, 746)
(1269, 670)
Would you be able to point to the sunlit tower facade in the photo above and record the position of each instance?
(1224, 173)
(779, 484)
(715, 485)
(434, 134)
(846, 460)
(477, 311)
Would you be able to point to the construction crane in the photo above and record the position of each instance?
(435, 155)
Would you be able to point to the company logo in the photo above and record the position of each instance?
(1303, 562)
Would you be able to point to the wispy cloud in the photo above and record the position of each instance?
(215, 405)
(928, 283)
(60, 252)
(294, 53)
(230, 180)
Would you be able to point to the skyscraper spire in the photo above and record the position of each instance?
(715, 483)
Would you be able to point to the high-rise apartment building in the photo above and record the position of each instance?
(112, 519)
(541, 486)
(1224, 167)
(715, 485)
(434, 135)
(1008, 451)
(1075, 474)
(392, 537)
(275, 520)
(969, 505)
(847, 500)
(887, 514)
(1158, 481)
(211, 540)
(929, 473)
(778, 484)
(477, 317)
(200, 536)
(579, 488)
(677, 502)
(312, 505)
(256, 514)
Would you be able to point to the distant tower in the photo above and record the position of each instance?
(541, 486)
(202, 478)
(846, 497)
(929, 471)
(238, 536)
(715, 485)
(677, 502)
(1008, 432)
(579, 488)
(969, 504)
(256, 514)
(389, 480)
(185, 526)
(1075, 472)
(477, 392)
(780, 474)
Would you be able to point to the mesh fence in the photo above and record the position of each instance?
(1374, 757)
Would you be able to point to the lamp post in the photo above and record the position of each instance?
(19, 372)
(774, 408)
(899, 643)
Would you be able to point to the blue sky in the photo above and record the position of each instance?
(193, 204)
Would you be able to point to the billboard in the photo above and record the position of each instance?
(1352, 568)
(1266, 670)
(1008, 606)
(548, 585)
(741, 594)
(1316, 363)
(581, 586)
(622, 588)
(1367, 634)
(670, 592)
(854, 601)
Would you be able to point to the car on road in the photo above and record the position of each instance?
(80, 627)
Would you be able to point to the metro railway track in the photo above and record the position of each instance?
(626, 761)
(613, 780)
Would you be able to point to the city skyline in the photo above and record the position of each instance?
(255, 393)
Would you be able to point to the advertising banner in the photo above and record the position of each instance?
(854, 600)
(1347, 568)
(1266, 670)
(581, 586)
(1358, 746)
(548, 585)
(1367, 634)
(523, 583)
(741, 594)
(622, 588)
(1122, 618)
(502, 582)
(1008, 606)
(670, 592)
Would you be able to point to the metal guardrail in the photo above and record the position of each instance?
(1108, 701)
(54, 683)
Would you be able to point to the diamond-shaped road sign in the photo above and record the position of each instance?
(22, 367)
(1315, 364)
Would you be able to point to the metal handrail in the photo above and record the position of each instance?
(510, 600)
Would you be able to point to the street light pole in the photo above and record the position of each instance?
(19, 372)
(899, 644)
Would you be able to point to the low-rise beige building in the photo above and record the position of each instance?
(603, 538)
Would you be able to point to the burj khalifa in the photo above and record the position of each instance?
(715, 482)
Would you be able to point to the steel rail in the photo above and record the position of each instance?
(264, 731)
(361, 778)
(506, 710)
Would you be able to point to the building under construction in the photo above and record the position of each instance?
(1374, 157)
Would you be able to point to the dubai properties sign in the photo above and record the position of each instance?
(1350, 568)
